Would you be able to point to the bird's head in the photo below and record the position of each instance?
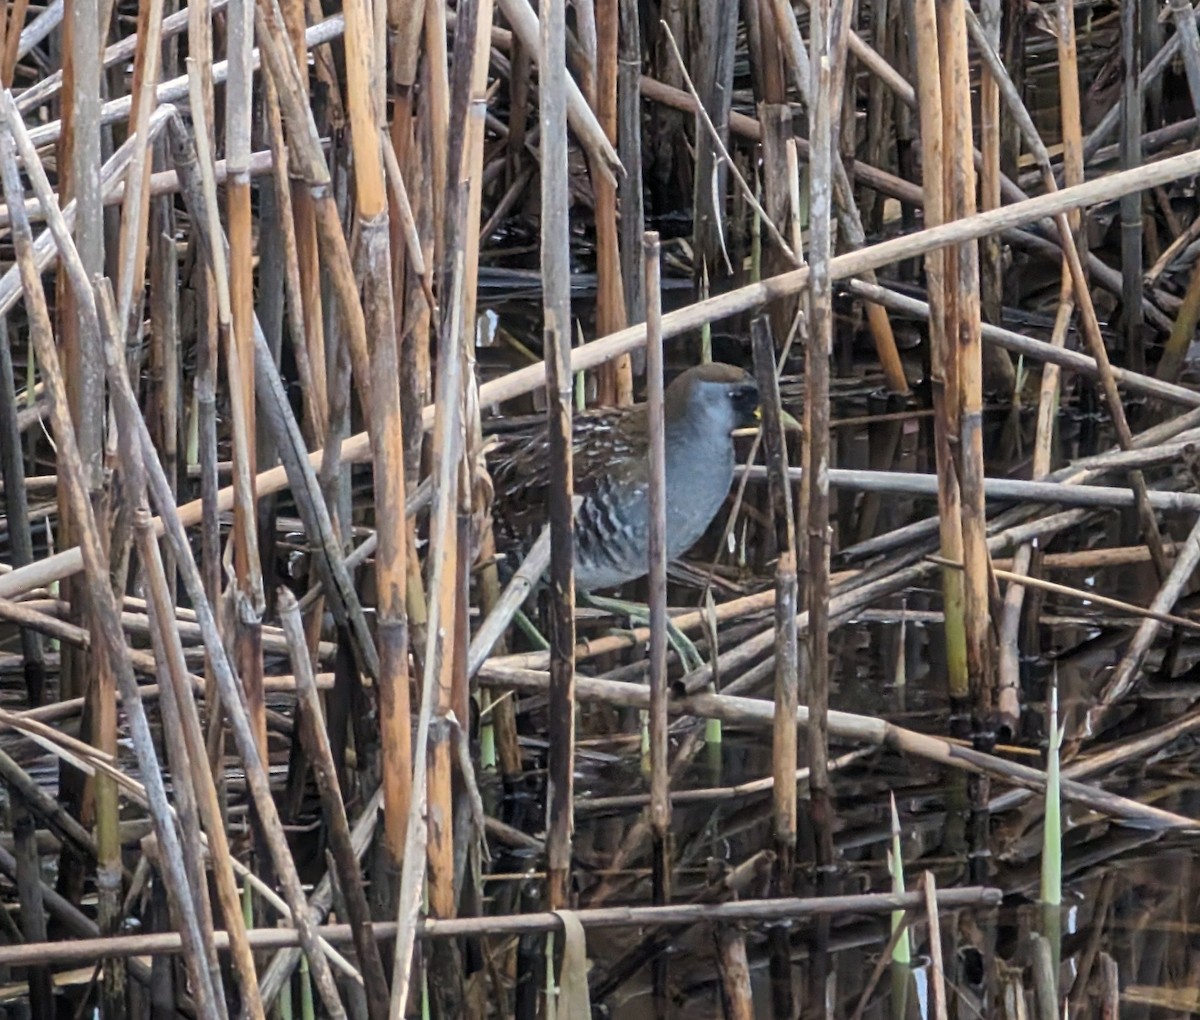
(720, 396)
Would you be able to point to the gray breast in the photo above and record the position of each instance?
(611, 523)
(698, 480)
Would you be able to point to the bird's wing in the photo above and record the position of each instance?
(520, 465)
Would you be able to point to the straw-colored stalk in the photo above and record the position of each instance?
(175, 682)
(944, 389)
(963, 336)
(391, 568)
(470, 87)
(305, 222)
(616, 378)
(660, 791)
(240, 362)
(438, 117)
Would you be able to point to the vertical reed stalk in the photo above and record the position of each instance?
(823, 116)
(632, 218)
(1131, 205)
(468, 104)
(1027, 558)
(305, 216)
(438, 119)
(616, 377)
(784, 761)
(204, 387)
(16, 509)
(929, 91)
(78, 155)
(660, 777)
(968, 342)
(136, 207)
(556, 278)
(165, 375)
(33, 910)
(240, 363)
(991, 268)
(442, 560)
(391, 567)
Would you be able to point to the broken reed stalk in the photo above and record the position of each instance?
(1187, 558)
(1008, 660)
(1072, 361)
(556, 337)
(937, 984)
(513, 597)
(660, 779)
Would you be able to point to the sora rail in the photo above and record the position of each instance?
(611, 449)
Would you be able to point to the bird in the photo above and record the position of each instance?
(702, 407)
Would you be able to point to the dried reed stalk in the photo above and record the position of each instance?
(845, 725)
(100, 596)
(616, 379)
(660, 779)
(553, 83)
(964, 339)
(391, 567)
(944, 382)
(319, 753)
(814, 501)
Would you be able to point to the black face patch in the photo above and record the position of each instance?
(744, 398)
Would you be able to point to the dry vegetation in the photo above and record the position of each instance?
(253, 248)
